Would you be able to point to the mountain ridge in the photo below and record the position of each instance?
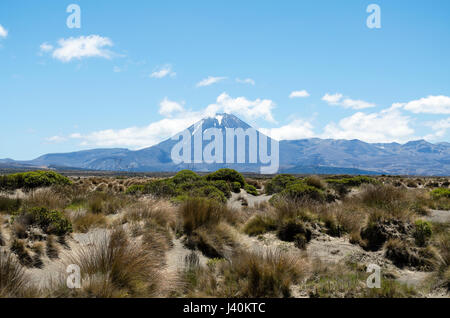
(416, 157)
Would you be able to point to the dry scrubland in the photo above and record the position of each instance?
(223, 235)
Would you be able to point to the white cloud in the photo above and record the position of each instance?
(82, 47)
(210, 80)
(302, 93)
(339, 100)
(177, 119)
(3, 32)
(258, 108)
(137, 137)
(439, 127)
(56, 139)
(168, 107)
(332, 99)
(385, 126)
(45, 47)
(297, 129)
(117, 69)
(245, 81)
(430, 105)
(163, 72)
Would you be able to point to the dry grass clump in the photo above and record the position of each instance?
(13, 280)
(247, 274)
(347, 280)
(315, 181)
(19, 248)
(162, 212)
(106, 202)
(201, 212)
(86, 221)
(114, 266)
(206, 226)
(402, 254)
(45, 197)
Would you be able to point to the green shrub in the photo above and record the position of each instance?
(301, 191)
(352, 181)
(9, 205)
(31, 180)
(185, 176)
(210, 192)
(135, 189)
(161, 188)
(279, 183)
(223, 186)
(51, 222)
(250, 189)
(236, 187)
(228, 175)
(440, 193)
(422, 232)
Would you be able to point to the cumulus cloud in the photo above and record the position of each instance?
(245, 81)
(439, 128)
(339, 100)
(296, 94)
(430, 105)
(249, 109)
(162, 72)
(81, 47)
(297, 129)
(3, 32)
(385, 126)
(176, 119)
(210, 80)
(168, 107)
(137, 137)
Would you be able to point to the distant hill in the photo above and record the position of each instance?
(314, 155)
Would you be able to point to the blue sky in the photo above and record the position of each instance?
(137, 72)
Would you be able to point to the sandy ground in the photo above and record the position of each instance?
(235, 203)
(438, 216)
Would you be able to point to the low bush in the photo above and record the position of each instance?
(301, 192)
(31, 180)
(352, 181)
(50, 221)
(228, 175)
(422, 232)
(250, 189)
(236, 187)
(279, 183)
(8, 205)
(440, 193)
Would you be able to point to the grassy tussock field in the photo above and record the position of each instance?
(223, 235)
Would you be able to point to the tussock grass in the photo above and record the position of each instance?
(117, 267)
(247, 274)
(200, 212)
(13, 279)
(84, 222)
